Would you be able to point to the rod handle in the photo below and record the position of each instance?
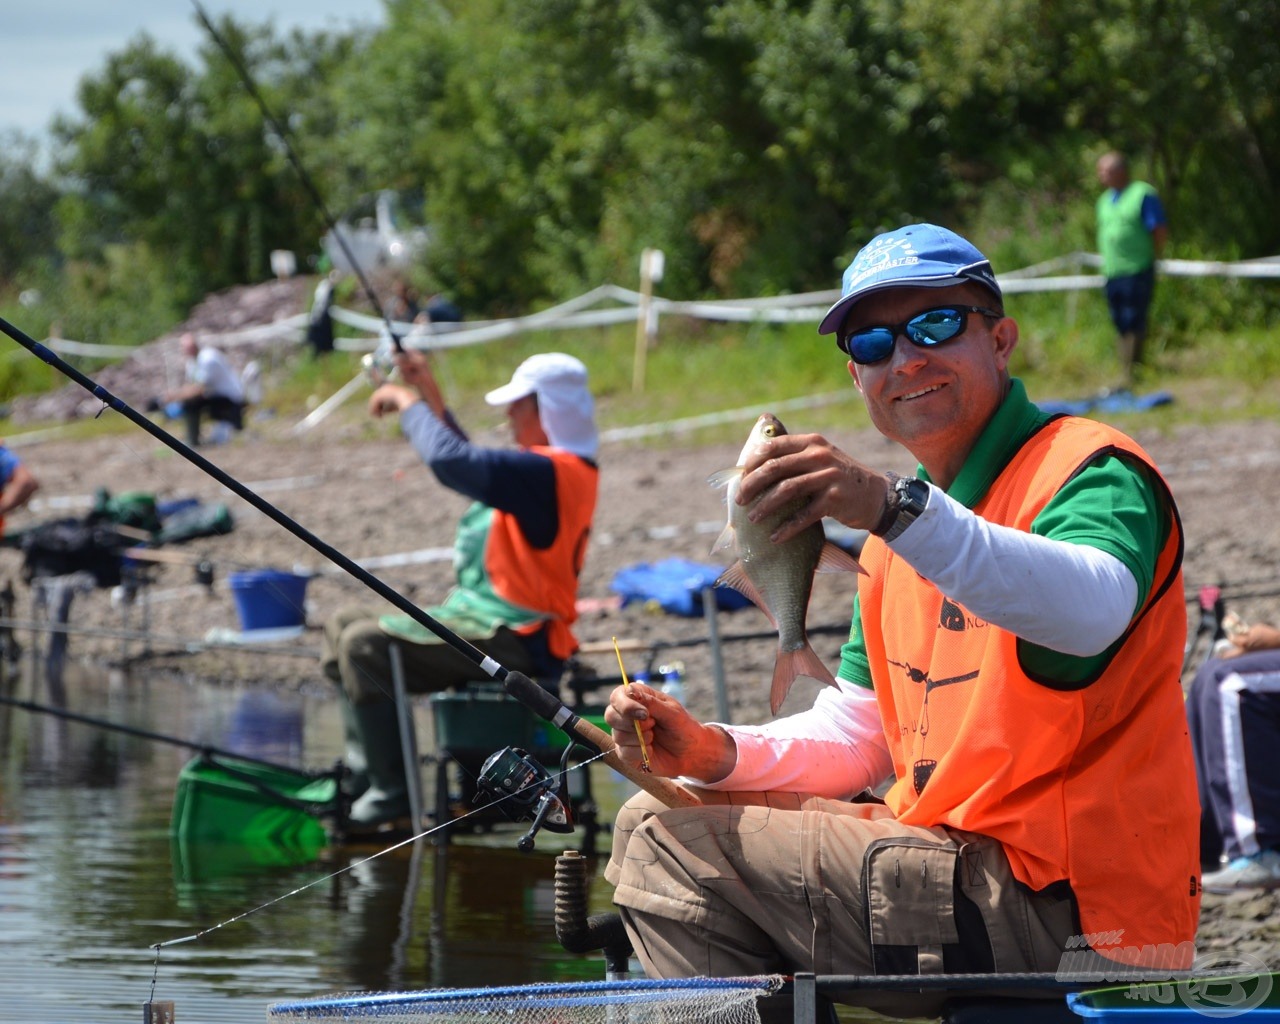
(547, 705)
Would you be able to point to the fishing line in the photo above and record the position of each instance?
(146, 734)
(283, 136)
(157, 946)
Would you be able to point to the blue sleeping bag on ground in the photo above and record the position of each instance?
(675, 585)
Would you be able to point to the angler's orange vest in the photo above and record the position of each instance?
(547, 579)
(1094, 785)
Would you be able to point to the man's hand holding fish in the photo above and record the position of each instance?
(808, 471)
(778, 549)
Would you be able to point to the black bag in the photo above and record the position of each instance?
(64, 546)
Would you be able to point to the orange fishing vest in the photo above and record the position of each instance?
(546, 579)
(1094, 785)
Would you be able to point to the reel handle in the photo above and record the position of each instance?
(548, 706)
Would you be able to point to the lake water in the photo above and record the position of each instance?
(91, 880)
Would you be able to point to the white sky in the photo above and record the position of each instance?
(49, 45)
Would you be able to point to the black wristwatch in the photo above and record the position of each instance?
(908, 497)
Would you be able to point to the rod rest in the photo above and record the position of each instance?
(577, 932)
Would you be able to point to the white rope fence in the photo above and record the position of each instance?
(590, 309)
(806, 307)
(610, 304)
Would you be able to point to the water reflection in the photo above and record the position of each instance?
(90, 878)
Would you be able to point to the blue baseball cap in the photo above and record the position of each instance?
(915, 256)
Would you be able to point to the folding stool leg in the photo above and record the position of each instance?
(408, 737)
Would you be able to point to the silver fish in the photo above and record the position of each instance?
(778, 578)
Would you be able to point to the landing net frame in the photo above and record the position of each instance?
(660, 1001)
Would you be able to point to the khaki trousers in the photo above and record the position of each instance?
(761, 883)
(356, 654)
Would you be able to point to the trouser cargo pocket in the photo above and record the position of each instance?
(908, 887)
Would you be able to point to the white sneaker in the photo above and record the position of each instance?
(219, 432)
(1259, 871)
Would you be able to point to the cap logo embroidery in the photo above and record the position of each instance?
(882, 254)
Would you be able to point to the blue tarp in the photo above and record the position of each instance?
(675, 585)
(1108, 401)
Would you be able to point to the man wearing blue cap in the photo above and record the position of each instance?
(1012, 667)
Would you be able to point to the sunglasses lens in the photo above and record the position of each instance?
(935, 326)
(871, 345)
(927, 329)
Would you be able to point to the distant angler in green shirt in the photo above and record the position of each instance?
(1132, 231)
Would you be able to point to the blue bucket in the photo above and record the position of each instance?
(268, 598)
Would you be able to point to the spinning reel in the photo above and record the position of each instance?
(379, 365)
(521, 787)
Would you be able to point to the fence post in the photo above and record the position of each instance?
(651, 263)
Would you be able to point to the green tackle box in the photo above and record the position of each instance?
(480, 720)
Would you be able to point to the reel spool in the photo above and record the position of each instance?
(518, 784)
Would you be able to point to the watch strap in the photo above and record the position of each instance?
(891, 507)
(913, 496)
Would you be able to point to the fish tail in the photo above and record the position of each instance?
(801, 661)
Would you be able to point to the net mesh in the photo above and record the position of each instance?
(644, 1001)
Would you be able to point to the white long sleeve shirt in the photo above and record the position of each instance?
(1067, 597)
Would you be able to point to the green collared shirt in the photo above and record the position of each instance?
(1112, 505)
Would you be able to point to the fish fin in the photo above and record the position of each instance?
(736, 577)
(723, 477)
(803, 661)
(726, 539)
(836, 559)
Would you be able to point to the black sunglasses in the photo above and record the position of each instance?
(929, 329)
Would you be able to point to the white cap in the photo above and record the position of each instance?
(565, 405)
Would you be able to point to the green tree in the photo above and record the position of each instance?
(182, 161)
(748, 140)
(27, 201)
(756, 142)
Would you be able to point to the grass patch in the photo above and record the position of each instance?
(1067, 350)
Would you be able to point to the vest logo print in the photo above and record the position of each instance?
(919, 675)
(954, 618)
(921, 773)
(923, 768)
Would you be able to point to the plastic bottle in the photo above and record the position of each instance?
(673, 680)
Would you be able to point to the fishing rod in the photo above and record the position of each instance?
(307, 182)
(145, 734)
(519, 686)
